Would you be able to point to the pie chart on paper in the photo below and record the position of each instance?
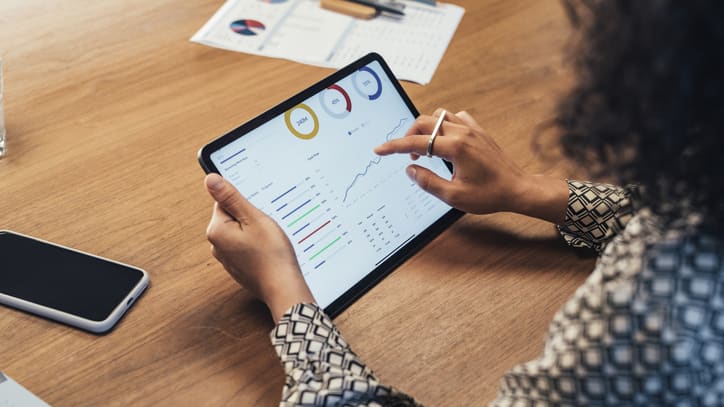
(247, 27)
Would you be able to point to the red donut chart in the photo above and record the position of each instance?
(329, 105)
(344, 93)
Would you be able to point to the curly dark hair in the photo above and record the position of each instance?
(648, 104)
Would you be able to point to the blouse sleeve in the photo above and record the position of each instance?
(321, 368)
(596, 213)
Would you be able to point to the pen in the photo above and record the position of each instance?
(384, 6)
(349, 8)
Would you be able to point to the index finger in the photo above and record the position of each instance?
(422, 125)
(417, 144)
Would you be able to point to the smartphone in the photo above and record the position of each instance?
(64, 284)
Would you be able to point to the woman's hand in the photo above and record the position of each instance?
(484, 180)
(254, 249)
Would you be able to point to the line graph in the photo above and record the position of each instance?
(372, 162)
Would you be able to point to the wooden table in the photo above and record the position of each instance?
(107, 103)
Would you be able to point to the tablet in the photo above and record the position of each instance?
(352, 216)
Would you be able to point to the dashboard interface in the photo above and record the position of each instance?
(313, 170)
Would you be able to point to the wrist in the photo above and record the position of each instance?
(541, 197)
(280, 299)
(277, 309)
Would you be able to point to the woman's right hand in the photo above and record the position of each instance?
(485, 179)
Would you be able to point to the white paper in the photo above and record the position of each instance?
(301, 31)
(12, 394)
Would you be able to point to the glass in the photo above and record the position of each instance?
(2, 115)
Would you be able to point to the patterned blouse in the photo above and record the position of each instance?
(646, 328)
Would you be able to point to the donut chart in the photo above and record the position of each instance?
(247, 27)
(367, 83)
(302, 122)
(336, 101)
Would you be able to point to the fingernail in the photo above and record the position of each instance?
(216, 182)
(411, 172)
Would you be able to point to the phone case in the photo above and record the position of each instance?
(74, 320)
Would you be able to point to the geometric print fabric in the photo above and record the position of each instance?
(643, 330)
(595, 213)
(646, 328)
(321, 369)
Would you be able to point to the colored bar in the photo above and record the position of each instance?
(315, 231)
(307, 249)
(318, 265)
(325, 248)
(281, 207)
(282, 195)
(300, 229)
(302, 217)
(296, 209)
(233, 155)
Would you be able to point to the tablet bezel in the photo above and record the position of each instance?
(375, 275)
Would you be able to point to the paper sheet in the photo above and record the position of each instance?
(300, 30)
(12, 394)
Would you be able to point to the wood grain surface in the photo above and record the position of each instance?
(107, 103)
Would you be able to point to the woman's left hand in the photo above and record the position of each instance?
(254, 250)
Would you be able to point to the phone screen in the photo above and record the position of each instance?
(63, 279)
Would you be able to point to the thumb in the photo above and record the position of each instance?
(429, 181)
(228, 197)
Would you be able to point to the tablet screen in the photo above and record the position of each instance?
(313, 170)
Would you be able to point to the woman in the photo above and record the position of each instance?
(647, 327)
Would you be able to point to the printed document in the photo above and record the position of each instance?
(302, 31)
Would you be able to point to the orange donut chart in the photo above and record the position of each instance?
(293, 125)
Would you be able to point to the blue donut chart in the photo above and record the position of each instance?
(361, 91)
